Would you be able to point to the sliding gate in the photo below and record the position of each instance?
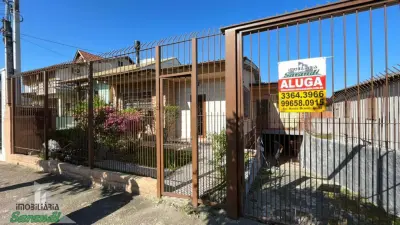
(190, 75)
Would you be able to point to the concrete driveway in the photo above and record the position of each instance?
(81, 204)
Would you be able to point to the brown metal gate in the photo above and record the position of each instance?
(336, 167)
(191, 107)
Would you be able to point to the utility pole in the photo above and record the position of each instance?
(16, 38)
(17, 49)
(137, 49)
(8, 41)
(8, 72)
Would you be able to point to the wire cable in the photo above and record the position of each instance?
(59, 43)
(44, 47)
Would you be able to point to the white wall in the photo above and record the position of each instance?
(214, 89)
(370, 129)
(103, 91)
(108, 64)
(215, 107)
(66, 73)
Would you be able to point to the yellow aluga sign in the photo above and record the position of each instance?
(302, 85)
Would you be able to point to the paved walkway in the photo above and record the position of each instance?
(293, 195)
(86, 205)
(180, 181)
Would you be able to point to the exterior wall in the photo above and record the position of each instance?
(109, 64)
(248, 78)
(66, 73)
(215, 107)
(165, 63)
(370, 129)
(270, 118)
(103, 91)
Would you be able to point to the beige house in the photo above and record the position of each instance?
(134, 86)
(63, 97)
(123, 84)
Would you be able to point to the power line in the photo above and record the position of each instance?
(44, 47)
(59, 43)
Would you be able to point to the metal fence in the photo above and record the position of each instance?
(131, 111)
(200, 113)
(336, 167)
(194, 118)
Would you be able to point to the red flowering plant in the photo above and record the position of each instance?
(120, 128)
(112, 128)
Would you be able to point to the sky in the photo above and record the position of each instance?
(102, 26)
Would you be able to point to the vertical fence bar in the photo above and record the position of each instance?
(90, 115)
(372, 94)
(46, 114)
(358, 114)
(232, 162)
(160, 176)
(240, 119)
(193, 124)
(387, 106)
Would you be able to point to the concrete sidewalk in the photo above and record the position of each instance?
(86, 205)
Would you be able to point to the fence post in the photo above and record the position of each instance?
(11, 101)
(90, 115)
(159, 131)
(193, 126)
(46, 114)
(234, 127)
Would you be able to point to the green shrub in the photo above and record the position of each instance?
(171, 115)
(80, 111)
(219, 145)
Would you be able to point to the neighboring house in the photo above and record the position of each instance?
(61, 97)
(121, 83)
(366, 118)
(134, 86)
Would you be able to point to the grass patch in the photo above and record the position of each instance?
(147, 156)
(323, 136)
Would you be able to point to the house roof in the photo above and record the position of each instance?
(47, 68)
(82, 56)
(248, 65)
(365, 86)
(121, 70)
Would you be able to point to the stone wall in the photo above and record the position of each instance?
(144, 186)
(368, 170)
(251, 170)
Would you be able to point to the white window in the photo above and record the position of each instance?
(120, 63)
(137, 100)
